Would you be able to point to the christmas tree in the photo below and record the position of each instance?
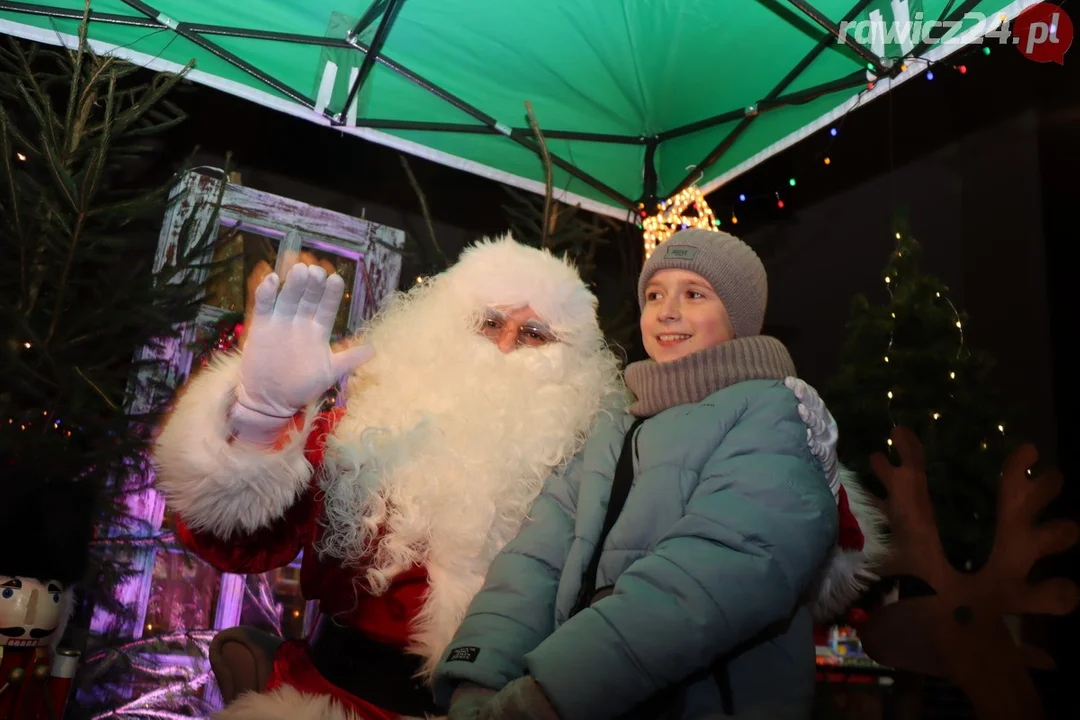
(82, 310)
(906, 363)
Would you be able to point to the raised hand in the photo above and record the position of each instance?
(287, 360)
(822, 434)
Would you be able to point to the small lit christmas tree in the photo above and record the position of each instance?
(907, 363)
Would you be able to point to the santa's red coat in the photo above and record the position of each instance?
(384, 618)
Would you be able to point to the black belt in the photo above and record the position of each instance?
(381, 674)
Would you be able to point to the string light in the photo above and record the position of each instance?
(918, 65)
(20, 157)
(674, 214)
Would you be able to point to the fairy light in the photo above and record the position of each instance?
(687, 209)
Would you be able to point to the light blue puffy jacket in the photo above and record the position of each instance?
(727, 523)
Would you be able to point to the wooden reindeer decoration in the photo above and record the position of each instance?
(959, 634)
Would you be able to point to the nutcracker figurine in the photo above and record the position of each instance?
(45, 529)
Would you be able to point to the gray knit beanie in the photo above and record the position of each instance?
(731, 267)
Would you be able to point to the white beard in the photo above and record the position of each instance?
(445, 444)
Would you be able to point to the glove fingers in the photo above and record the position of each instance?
(289, 299)
(330, 301)
(309, 301)
(345, 362)
(265, 294)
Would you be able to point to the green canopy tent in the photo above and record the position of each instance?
(637, 99)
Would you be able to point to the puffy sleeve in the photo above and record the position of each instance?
(515, 609)
(241, 507)
(755, 531)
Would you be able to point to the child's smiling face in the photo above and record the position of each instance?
(682, 315)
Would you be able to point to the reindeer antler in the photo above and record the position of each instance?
(915, 547)
(959, 633)
(1019, 543)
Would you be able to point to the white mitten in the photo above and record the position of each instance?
(287, 362)
(822, 434)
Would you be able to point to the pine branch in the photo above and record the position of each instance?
(424, 209)
(78, 299)
(546, 159)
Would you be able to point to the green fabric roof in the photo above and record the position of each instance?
(636, 97)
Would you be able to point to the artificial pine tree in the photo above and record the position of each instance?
(907, 363)
(78, 298)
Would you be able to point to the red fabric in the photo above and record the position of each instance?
(293, 667)
(857, 617)
(385, 618)
(851, 537)
(27, 700)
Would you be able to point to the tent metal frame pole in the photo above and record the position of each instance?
(795, 98)
(651, 179)
(212, 47)
(491, 122)
(69, 14)
(768, 101)
(389, 13)
(834, 30)
(521, 136)
(963, 9)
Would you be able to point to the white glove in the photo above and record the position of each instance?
(822, 433)
(287, 362)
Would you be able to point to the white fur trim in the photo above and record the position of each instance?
(846, 574)
(287, 703)
(216, 485)
(503, 272)
(450, 591)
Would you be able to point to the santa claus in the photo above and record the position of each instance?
(467, 392)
